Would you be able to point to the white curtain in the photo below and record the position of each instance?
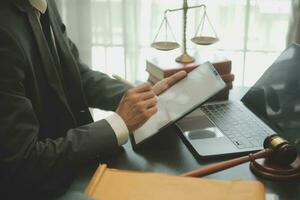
(114, 36)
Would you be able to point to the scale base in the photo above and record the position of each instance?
(185, 58)
(266, 169)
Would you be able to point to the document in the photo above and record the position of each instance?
(148, 186)
(182, 98)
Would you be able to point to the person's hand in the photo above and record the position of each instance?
(166, 83)
(137, 106)
(139, 103)
(228, 79)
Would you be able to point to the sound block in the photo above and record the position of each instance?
(265, 168)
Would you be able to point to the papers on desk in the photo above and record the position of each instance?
(132, 185)
(182, 98)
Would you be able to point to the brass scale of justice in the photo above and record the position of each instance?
(281, 160)
(200, 39)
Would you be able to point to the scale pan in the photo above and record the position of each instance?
(165, 45)
(204, 40)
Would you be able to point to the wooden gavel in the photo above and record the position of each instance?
(276, 149)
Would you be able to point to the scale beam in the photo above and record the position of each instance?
(190, 7)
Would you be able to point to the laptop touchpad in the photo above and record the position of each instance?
(199, 127)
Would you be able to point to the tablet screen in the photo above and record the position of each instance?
(182, 98)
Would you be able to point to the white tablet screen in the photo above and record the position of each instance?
(183, 97)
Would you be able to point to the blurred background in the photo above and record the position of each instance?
(114, 36)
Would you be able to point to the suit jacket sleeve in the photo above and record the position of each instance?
(100, 90)
(26, 161)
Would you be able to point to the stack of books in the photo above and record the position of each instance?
(163, 67)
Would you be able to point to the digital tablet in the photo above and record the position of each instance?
(182, 98)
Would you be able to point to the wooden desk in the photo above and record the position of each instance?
(166, 153)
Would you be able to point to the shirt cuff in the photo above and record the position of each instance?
(119, 127)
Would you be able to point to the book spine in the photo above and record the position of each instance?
(223, 67)
(89, 191)
(153, 79)
(173, 71)
(152, 69)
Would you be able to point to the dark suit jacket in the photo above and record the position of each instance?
(46, 129)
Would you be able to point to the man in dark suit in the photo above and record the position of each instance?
(46, 130)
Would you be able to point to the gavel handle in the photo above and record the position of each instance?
(227, 164)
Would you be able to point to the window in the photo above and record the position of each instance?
(114, 36)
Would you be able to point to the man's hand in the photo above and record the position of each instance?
(228, 79)
(137, 106)
(139, 103)
(166, 83)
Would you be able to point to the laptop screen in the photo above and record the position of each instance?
(275, 97)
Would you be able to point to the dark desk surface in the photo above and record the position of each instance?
(166, 153)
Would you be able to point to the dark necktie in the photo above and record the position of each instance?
(46, 27)
(45, 23)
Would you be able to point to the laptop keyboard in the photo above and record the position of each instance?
(242, 127)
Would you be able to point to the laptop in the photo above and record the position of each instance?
(271, 106)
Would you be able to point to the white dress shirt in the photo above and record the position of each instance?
(114, 120)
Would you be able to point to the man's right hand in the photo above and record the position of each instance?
(137, 106)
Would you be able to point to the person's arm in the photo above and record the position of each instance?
(25, 160)
(100, 90)
(109, 94)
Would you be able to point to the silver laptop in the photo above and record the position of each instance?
(271, 106)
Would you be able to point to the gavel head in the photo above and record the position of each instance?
(283, 153)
